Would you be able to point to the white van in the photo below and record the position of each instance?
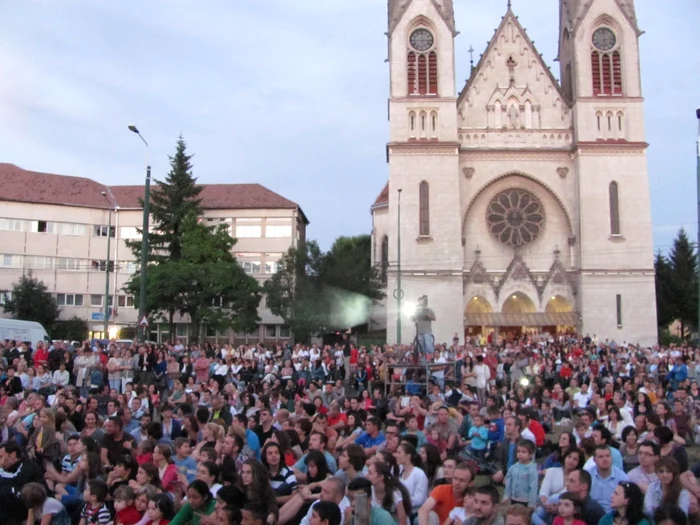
(23, 331)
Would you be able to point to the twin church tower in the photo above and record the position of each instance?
(521, 202)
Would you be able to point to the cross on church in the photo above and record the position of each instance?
(509, 4)
(471, 55)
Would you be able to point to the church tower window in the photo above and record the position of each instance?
(424, 209)
(614, 209)
(606, 66)
(422, 67)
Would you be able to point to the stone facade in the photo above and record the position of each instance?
(576, 235)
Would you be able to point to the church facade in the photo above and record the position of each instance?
(519, 203)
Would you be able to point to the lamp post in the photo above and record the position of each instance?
(399, 290)
(697, 180)
(109, 238)
(144, 238)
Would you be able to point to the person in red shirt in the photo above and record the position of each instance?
(126, 513)
(534, 426)
(41, 355)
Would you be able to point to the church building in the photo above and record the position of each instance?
(519, 203)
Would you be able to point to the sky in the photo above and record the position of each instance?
(290, 94)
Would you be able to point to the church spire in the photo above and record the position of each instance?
(397, 8)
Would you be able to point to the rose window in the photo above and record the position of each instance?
(515, 217)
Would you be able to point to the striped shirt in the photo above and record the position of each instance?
(68, 464)
(284, 480)
(96, 516)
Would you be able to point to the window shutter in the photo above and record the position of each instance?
(432, 73)
(595, 70)
(411, 73)
(617, 73)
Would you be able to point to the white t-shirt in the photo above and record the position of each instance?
(483, 374)
(51, 506)
(417, 485)
(582, 399)
(459, 514)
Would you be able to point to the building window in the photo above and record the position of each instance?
(255, 334)
(36, 262)
(384, 257)
(278, 228)
(64, 263)
(424, 211)
(270, 331)
(99, 266)
(95, 300)
(248, 228)
(8, 260)
(251, 262)
(614, 209)
(412, 122)
(70, 228)
(5, 296)
(285, 333)
(618, 308)
(129, 232)
(181, 330)
(421, 67)
(606, 64)
(125, 301)
(69, 299)
(271, 266)
(103, 231)
(13, 225)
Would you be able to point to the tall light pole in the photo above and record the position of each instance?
(399, 291)
(109, 237)
(697, 180)
(144, 238)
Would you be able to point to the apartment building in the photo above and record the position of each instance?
(58, 227)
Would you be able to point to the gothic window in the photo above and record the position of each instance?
(606, 64)
(422, 67)
(614, 209)
(433, 123)
(384, 257)
(424, 209)
(412, 123)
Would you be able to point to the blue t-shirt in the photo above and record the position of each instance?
(188, 467)
(367, 441)
(253, 442)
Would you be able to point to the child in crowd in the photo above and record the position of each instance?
(325, 513)
(144, 451)
(459, 515)
(43, 509)
(518, 515)
(522, 479)
(479, 436)
(497, 428)
(94, 511)
(547, 416)
(435, 439)
(160, 510)
(570, 510)
(126, 513)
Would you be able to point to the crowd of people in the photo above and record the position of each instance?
(534, 429)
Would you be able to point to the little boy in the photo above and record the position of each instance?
(497, 428)
(95, 511)
(186, 465)
(522, 479)
(253, 514)
(325, 513)
(518, 515)
(126, 513)
(479, 436)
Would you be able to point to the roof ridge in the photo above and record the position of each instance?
(475, 71)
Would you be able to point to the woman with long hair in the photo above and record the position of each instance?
(282, 478)
(627, 504)
(411, 474)
(555, 477)
(431, 462)
(667, 488)
(566, 441)
(167, 470)
(190, 429)
(389, 493)
(92, 426)
(147, 474)
(256, 486)
(615, 423)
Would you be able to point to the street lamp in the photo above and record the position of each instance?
(109, 238)
(144, 237)
(697, 179)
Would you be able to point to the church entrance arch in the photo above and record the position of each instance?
(517, 304)
(476, 305)
(559, 304)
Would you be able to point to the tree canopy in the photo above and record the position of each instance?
(31, 301)
(316, 292)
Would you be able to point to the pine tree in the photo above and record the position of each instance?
(666, 311)
(683, 282)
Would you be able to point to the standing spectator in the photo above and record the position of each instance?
(522, 478)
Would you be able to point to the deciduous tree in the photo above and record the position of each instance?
(31, 301)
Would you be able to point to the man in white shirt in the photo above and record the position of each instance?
(582, 398)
